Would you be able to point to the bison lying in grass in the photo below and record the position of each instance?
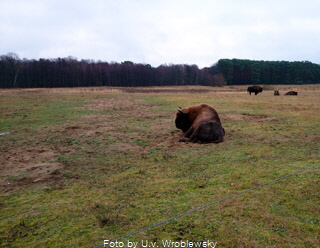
(200, 123)
(291, 93)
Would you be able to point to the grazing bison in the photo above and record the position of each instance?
(276, 93)
(200, 123)
(256, 89)
(291, 93)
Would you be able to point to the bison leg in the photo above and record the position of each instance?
(196, 136)
(189, 132)
(206, 132)
(184, 140)
(193, 139)
(190, 135)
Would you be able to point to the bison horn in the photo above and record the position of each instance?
(180, 110)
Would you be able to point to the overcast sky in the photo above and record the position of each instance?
(162, 31)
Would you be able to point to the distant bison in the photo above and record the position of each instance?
(291, 93)
(256, 89)
(276, 93)
(200, 123)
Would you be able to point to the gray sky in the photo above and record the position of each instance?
(162, 31)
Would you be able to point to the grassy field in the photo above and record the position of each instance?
(83, 165)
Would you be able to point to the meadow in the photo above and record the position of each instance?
(82, 165)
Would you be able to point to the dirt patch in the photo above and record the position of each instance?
(311, 138)
(27, 166)
(248, 117)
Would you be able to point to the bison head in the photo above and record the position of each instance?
(182, 120)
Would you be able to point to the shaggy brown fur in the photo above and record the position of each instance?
(200, 123)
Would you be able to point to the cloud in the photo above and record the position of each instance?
(156, 32)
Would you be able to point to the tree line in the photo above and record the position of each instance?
(241, 71)
(71, 72)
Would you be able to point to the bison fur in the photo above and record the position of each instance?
(255, 89)
(200, 123)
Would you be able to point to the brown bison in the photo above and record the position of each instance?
(256, 89)
(200, 123)
(291, 93)
(276, 93)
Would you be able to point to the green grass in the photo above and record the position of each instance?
(37, 111)
(122, 170)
